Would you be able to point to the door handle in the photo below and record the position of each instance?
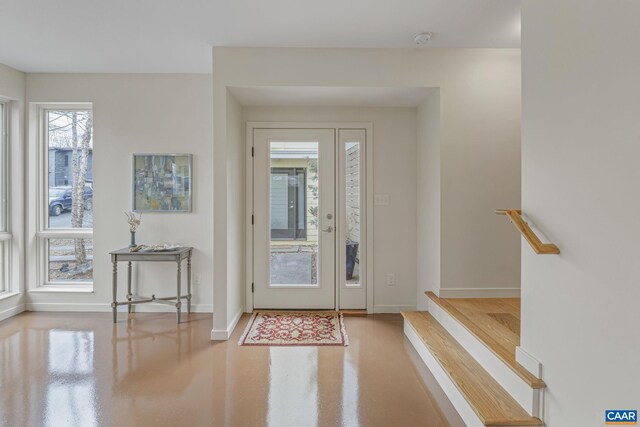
(329, 229)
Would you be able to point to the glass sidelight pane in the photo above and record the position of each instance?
(352, 212)
(294, 213)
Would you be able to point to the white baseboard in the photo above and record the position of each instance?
(479, 293)
(10, 312)
(106, 308)
(225, 334)
(393, 308)
(528, 362)
(54, 306)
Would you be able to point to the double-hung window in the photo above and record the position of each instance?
(5, 234)
(65, 236)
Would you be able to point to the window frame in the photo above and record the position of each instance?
(43, 232)
(6, 237)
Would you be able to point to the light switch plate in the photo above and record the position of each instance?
(381, 200)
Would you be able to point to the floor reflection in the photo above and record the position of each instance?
(79, 369)
(11, 357)
(152, 370)
(70, 395)
(293, 387)
(350, 387)
(70, 352)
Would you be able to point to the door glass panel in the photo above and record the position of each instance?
(352, 212)
(294, 206)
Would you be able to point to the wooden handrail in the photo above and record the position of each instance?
(523, 227)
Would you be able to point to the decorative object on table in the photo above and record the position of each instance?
(290, 328)
(164, 247)
(162, 182)
(134, 222)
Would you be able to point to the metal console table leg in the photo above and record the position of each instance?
(179, 301)
(189, 284)
(129, 294)
(114, 304)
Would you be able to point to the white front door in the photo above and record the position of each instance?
(294, 205)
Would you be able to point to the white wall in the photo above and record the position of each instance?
(394, 153)
(480, 143)
(480, 172)
(12, 87)
(580, 151)
(160, 113)
(428, 198)
(235, 208)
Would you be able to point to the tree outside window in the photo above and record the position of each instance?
(70, 192)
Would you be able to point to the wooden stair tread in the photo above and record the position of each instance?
(503, 348)
(491, 403)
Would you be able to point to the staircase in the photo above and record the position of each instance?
(469, 346)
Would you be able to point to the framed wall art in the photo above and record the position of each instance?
(162, 182)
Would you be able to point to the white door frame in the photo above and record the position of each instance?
(368, 216)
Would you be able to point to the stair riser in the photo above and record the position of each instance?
(529, 398)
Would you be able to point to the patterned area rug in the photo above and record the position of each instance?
(295, 328)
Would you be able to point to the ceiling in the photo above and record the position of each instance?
(175, 36)
(316, 96)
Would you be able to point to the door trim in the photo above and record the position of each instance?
(368, 217)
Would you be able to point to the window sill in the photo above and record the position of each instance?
(64, 288)
(5, 295)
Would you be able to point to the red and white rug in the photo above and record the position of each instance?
(280, 328)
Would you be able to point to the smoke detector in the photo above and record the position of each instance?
(422, 38)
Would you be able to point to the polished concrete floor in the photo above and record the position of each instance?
(78, 369)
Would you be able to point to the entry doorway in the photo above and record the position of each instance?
(308, 199)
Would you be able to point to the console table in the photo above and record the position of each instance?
(178, 255)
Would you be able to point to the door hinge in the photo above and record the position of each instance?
(252, 153)
(251, 219)
(252, 287)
